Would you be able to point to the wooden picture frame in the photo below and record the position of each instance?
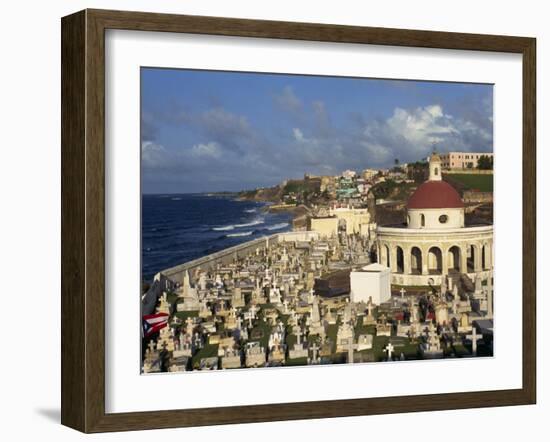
(83, 219)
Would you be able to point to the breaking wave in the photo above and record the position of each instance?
(232, 235)
(277, 226)
(219, 229)
(251, 223)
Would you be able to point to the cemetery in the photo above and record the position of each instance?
(262, 310)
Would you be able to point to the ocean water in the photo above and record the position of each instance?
(179, 228)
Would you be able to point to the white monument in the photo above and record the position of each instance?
(372, 281)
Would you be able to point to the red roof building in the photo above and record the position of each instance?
(435, 195)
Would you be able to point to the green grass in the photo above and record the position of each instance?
(293, 362)
(332, 332)
(208, 351)
(300, 186)
(483, 183)
(266, 330)
(171, 297)
(184, 315)
(361, 329)
(461, 351)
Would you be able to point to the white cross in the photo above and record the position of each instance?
(402, 291)
(314, 350)
(474, 337)
(389, 349)
(152, 346)
(298, 332)
(249, 316)
(239, 322)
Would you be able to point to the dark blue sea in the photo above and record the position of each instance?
(180, 228)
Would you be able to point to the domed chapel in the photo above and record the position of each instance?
(435, 241)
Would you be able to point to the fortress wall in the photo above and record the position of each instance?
(298, 236)
(223, 257)
(226, 256)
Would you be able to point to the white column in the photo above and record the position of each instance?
(383, 255)
(477, 258)
(444, 262)
(463, 259)
(407, 261)
(425, 259)
(393, 259)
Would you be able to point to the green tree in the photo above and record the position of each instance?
(485, 162)
(417, 171)
(383, 189)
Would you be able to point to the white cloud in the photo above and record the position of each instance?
(410, 134)
(152, 154)
(422, 126)
(298, 134)
(288, 101)
(211, 150)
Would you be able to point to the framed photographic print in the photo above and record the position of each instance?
(270, 220)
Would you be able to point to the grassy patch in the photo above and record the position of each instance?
(265, 329)
(301, 186)
(171, 297)
(362, 329)
(460, 351)
(291, 340)
(378, 345)
(208, 351)
(184, 315)
(483, 183)
(297, 361)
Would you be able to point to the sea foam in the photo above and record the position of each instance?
(251, 223)
(277, 226)
(231, 235)
(219, 229)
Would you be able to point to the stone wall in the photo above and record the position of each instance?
(471, 196)
(226, 256)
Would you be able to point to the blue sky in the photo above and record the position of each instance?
(205, 131)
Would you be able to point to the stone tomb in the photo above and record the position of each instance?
(383, 328)
(231, 358)
(364, 342)
(255, 355)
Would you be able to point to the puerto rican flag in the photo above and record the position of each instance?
(153, 323)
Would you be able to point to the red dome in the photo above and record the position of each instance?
(435, 195)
